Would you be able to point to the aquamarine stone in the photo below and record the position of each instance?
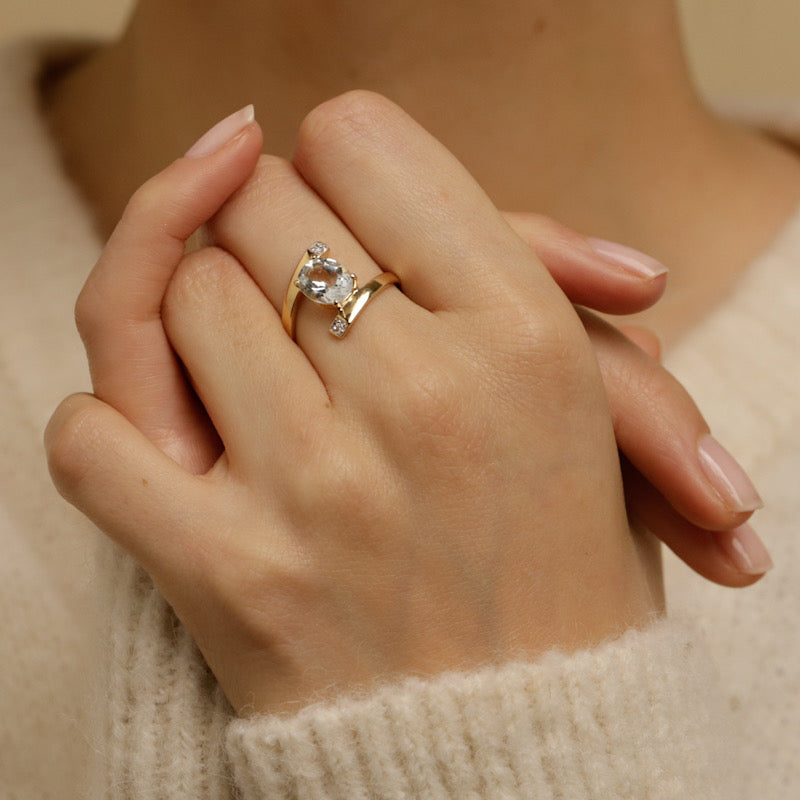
(325, 281)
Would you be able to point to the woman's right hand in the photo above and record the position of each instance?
(439, 491)
(658, 427)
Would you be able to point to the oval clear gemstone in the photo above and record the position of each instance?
(325, 281)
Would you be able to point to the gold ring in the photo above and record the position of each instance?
(327, 282)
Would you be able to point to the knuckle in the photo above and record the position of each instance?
(540, 353)
(269, 196)
(542, 231)
(430, 399)
(560, 237)
(263, 197)
(657, 392)
(272, 173)
(435, 409)
(68, 437)
(342, 488)
(526, 331)
(145, 203)
(334, 480)
(90, 314)
(537, 333)
(202, 274)
(356, 114)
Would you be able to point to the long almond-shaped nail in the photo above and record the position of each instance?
(641, 265)
(727, 477)
(221, 133)
(745, 550)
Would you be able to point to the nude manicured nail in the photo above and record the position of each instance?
(221, 133)
(745, 549)
(727, 477)
(630, 260)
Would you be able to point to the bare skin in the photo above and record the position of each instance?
(562, 108)
(405, 196)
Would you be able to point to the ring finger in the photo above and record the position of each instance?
(268, 226)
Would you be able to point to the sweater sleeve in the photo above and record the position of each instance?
(633, 718)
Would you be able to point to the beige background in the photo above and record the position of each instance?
(749, 47)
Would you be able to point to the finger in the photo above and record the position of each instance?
(644, 339)
(591, 272)
(415, 209)
(118, 312)
(731, 558)
(253, 381)
(267, 226)
(106, 468)
(663, 434)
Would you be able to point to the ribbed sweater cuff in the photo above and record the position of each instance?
(629, 719)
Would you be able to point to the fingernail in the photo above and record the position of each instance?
(221, 133)
(727, 477)
(745, 549)
(630, 260)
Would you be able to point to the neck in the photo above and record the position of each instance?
(574, 109)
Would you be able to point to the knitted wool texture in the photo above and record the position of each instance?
(629, 719)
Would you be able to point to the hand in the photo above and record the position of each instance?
(415, 516)
(135, 370)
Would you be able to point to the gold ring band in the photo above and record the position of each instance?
(327, 282)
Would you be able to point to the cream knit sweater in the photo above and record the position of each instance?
(137, 715)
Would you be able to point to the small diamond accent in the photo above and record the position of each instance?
(318, 249)
(339, 327)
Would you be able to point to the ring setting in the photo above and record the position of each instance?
(325, 281)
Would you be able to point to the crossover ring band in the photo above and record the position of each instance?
(327, 282)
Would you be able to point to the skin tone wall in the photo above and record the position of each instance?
(744, 47)
(750, 51)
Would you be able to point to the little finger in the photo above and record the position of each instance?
(663, 434)
(735, 557)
